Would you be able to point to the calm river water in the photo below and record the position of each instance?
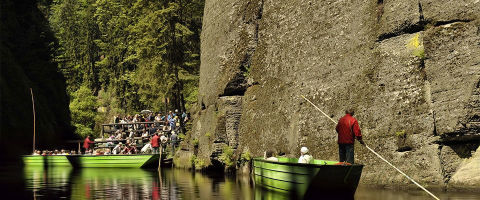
(66, 183)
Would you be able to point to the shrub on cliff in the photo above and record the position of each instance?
(227, 157)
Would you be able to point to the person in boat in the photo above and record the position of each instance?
(154, 143)
(172, 123)
(348, 129)
(36, 153)
(98, 152)
(269, 156)
(117, 149)
(88, 143)
(163, 141)
(129, 149)
(304, 156)
(145, 133)
(119, 135)
(147, 148)
(173, 140)
(107, 152)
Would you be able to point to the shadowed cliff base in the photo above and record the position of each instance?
(26, 62)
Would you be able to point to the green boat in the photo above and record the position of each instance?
(52, 161)
(321, 178)
(120, 161)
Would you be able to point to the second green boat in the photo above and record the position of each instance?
(320, 179)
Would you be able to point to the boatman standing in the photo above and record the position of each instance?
(348, 129)
(88, 143)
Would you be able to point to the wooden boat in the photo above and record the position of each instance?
(120, 161)
(321, 178)
(52, 161)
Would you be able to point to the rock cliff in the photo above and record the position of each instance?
(410, 69)
(26, 44)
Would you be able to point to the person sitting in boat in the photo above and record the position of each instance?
(147, 148)
(304, 156)
(107, 152)
(119, 135)
(98, 152)
(269, 156)
(117, 149)
(36, 153)
(112, 137)
(132, 134)
(145, 133)
(129, 149)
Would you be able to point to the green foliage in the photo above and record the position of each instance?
(401, 134)
(244, 158)
(195, 142)
(420, 53)
(83, 112)
(415, 44)
(192, 160)
(208, 135)
(227, 157)
(197, 163)
(132, 55)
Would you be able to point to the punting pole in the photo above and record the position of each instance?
(376, 153)
(33, 106)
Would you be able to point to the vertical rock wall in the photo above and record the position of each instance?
(410, 69)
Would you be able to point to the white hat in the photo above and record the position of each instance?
(304, 150)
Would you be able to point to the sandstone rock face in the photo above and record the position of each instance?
(468, 174)
(410, 69)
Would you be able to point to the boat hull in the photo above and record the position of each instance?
(114, 161)
(52, 161)
(307, 181)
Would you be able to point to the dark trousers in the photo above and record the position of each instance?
(346, 152)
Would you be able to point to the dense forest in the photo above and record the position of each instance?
(123, 56)
(88, 60)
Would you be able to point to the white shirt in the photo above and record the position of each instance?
(305, 159)
(117, 149)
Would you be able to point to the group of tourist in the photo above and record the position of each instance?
(171, 121)
(140, 137)
(53, 153)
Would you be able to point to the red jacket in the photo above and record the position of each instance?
(348, 129)
(154, 141)
(86, 143)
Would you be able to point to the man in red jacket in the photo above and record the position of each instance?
(348, 129)
(154, 143)
(87, 144)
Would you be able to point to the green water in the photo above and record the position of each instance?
(67, 183)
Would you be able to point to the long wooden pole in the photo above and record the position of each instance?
(378, 155)
(33, 106)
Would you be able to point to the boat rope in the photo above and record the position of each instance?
(378, 155)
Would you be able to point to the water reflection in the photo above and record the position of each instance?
(50, 182)
(93, 183)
